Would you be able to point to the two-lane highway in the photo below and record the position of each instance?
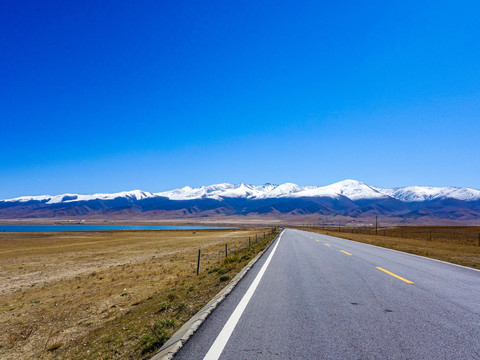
(313, 296)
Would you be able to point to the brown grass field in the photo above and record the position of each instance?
(456, 244)
(103, 295)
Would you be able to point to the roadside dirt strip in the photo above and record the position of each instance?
(175, 343)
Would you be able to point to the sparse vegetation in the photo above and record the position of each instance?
(225, 277)
(165, 305)
(159, 333)
(109, 294)
(54, 346)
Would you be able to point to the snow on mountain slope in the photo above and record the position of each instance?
(133, 195)
(276, 191)
(352, 189)
(203, 192)
(187, 193)
(426, 193)
(466, 194)
(242, 191)
(22, 199)
(218, 192)
(65, 198)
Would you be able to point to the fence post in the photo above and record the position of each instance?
(256, 238)
(264, 235)
(226, 250)
(478, 239)
(198, 262)
(249, 241)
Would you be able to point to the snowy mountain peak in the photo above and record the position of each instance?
(349, 182)
(355, 190)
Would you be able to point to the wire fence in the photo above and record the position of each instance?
(235, 247)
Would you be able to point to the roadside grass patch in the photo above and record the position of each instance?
(222, 270)
(182, 306)
(225, 278)
(231, 259)
(164, 305)
(160, 332)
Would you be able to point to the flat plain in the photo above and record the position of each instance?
(110, 294)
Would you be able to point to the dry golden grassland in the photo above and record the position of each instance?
(459, 245)
(103, 295)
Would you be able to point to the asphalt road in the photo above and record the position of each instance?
(313, 296)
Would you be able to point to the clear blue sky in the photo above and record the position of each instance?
(153, 95)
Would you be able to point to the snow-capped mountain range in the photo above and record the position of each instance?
(349, 199)
(351, 189)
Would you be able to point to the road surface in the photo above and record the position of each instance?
(314, 296)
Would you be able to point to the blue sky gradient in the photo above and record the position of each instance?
(155, 95)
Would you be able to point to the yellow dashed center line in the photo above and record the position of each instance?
(327, 244)
(394, 275)
(345, 252)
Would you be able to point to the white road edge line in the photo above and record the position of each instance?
(217, 347)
